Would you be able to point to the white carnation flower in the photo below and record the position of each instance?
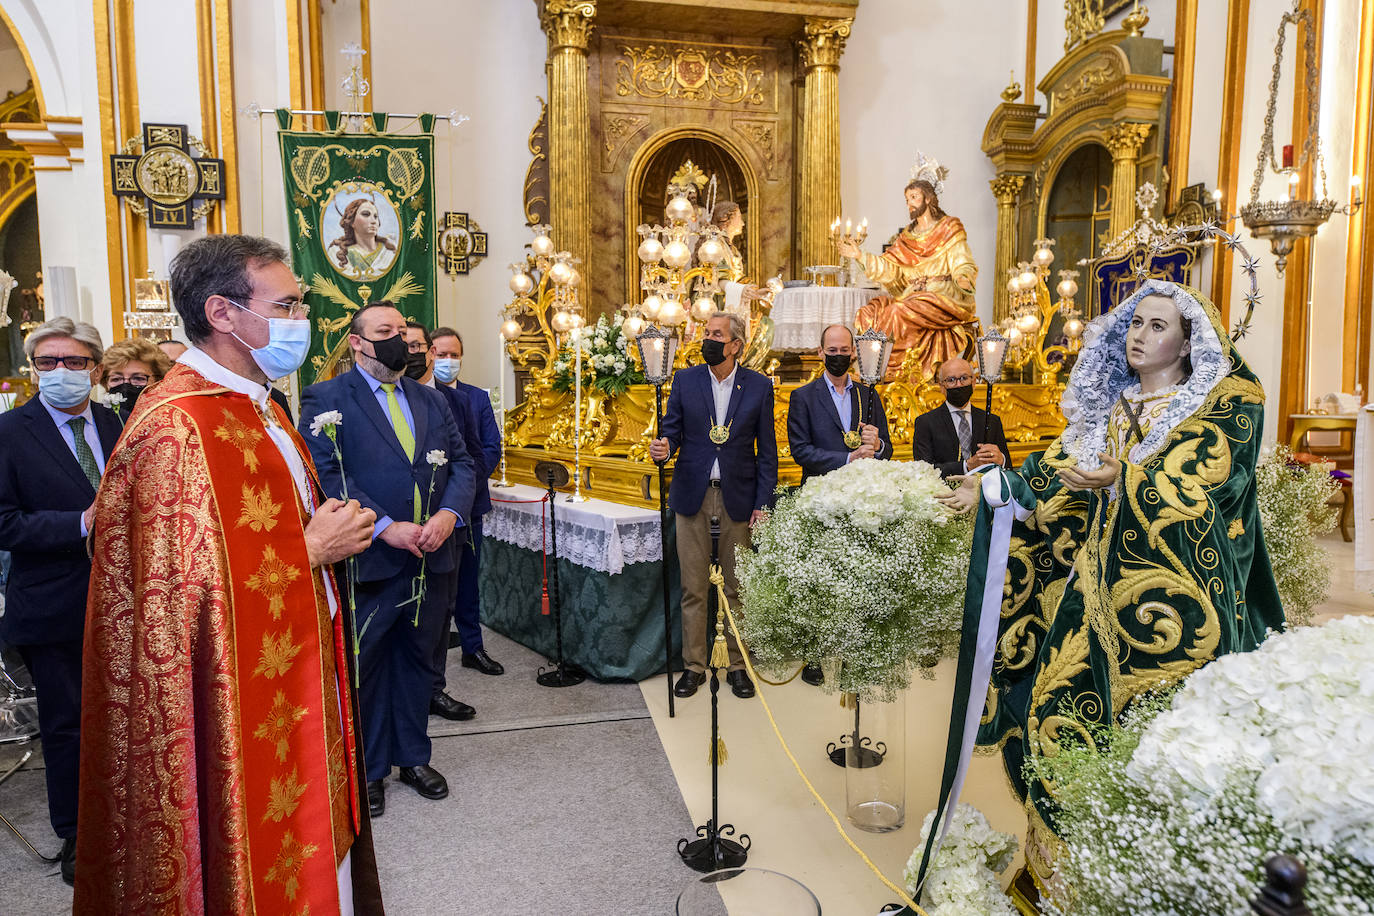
(327, 419)
(436, 457)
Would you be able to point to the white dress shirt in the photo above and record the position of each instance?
(720, 395)
(954, 414)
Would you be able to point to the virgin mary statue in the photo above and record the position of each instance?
(1134, 553)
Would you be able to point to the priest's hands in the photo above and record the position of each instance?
(963, 499)
(1077, 478)
(403, 536)
(658, 449)
(338, 531)
(436, 531)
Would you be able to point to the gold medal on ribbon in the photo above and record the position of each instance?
(852, 439)
(720, 434)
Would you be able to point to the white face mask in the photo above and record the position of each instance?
(288, 342)
(446, 368)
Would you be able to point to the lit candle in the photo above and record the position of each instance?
(848, 228)
(1355, 182)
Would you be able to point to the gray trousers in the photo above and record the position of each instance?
(694, 559)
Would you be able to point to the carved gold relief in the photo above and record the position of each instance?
(1088, 80)
(824, 42)
(722, 75)
(762, 135)
(617, 128)
(1082, 20)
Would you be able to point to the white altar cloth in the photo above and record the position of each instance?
(600, 535)
(800, 313)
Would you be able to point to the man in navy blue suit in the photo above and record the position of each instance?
(834, 420)
(390, 427)
(486, 453)
(719, 420)
(52, 453)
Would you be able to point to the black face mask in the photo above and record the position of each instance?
(960, 396)
(130, 392)
(838, 364)
(417, 364)
(390, 352)
(713, 351)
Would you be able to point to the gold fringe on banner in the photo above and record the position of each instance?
(720, 755)
(749, 666)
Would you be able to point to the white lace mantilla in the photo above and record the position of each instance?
(600, 535)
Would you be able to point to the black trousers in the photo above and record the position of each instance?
(56, 672)
(396, 666)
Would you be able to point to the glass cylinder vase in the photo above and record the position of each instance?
(875, 765)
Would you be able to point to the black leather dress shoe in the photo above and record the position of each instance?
(454, 640)
(482, 662)
(376, 797)
(688, 683)
(66, 859)
(813, 675)
(445, 706)
(425, 780)
(740, 684)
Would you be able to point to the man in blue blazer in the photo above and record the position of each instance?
(486, 453)
(52, 453)
(829, 422)
(719, 421)
(390, 426)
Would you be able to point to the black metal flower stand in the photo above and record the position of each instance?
(712, 849)
(867, 752)
(561, 674)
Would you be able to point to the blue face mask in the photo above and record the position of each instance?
(446, 369)
(62, 387)
(288, 342)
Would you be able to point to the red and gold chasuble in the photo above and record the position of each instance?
(217, 771)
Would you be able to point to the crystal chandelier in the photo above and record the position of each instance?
(1284, 222)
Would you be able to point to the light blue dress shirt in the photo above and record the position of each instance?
(89, 433)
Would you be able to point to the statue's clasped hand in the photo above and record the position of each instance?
(962, 499)
(1079, 478)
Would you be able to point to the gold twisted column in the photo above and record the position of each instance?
(1124, 141)
(820, 153)
(1006, 188)
(568, 25)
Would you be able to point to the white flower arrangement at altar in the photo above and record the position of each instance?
(861, 565)
(963, 879)
(1293, 505)
(1255, 754)
(607, 363)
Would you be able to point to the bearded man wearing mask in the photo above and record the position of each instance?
(719, 420)
(53, 450)
(955, 437)
(390, 427)
(834, 420)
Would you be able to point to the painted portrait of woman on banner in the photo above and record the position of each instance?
(365, 246)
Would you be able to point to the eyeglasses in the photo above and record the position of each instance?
(49, 363)
(138, 379)
(954, 381)
(294, 308)
(417, 346)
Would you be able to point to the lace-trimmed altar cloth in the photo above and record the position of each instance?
(600, 535)
(801, 313)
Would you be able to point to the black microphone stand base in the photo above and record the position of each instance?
(712, 851)
(561, 675)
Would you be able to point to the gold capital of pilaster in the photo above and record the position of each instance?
(1124, 140)
(568, 23)
(824, 42)
(1006, 187)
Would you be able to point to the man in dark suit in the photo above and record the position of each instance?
(52, 453)
(390, 426)
(829, 423)
(720, 422)
(955, 437)
(485, 449)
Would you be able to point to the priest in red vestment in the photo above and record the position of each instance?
(220, 762)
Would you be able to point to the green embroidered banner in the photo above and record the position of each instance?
(361, 214)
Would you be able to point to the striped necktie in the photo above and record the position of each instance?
(965, 435)
(84, 456)
(403, 433)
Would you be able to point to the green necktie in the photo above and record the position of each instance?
(403, 434)
(84, 456)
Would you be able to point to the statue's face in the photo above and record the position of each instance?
(1155, 341)
(916, 202)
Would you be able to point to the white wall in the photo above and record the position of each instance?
(922, 77)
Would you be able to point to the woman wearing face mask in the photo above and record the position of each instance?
(127, 368)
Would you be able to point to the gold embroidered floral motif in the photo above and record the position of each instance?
(1236, 529)
(290, 860)
(284, 797)
(242, 437)
(258, 511)
(281, 719)
(272, 579)
(277, 654)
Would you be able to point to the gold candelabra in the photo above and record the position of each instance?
(670, 272)
(1032, 311)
